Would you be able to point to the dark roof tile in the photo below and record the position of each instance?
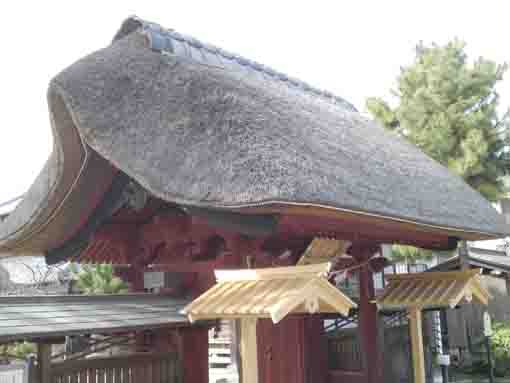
(30, 317)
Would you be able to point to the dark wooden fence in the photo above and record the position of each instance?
(345, 356)
(465, 324)
(344, 351)
(137, 368)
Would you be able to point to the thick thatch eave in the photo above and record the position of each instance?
(197, 126)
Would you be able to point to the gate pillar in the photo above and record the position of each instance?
(194, 354)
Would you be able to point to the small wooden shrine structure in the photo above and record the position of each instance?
(176, 156)
(267, 293)
(433, 290)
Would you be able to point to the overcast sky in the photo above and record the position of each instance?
(352, 48)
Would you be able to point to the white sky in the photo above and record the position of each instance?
(352, 48)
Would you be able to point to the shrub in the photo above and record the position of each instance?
(500, 345)
(17, 350)
(99, 279)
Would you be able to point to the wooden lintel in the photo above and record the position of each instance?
(355, 226)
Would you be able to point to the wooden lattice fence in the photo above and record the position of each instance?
(135, 368)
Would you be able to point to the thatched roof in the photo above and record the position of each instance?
(198, 126)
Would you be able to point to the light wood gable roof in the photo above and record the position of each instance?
(323, 250)
(432, 290)
(269, 293)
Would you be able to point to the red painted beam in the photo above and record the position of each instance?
(359, 231)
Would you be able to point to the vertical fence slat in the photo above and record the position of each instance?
(172, 376)
(173, 369)
(125, 374)
(164, 371)
(116, 375)
(83, 376)
(92, 375)
(140, 373)
(156, 371)
(109, 375)
(149, 367)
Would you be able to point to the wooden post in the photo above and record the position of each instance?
(368, 316)
(489, 359)
(415, 327)
(235, 347)
(44, 362)
(194, 354)
(445, 344)
(31, 375)
(249, 358)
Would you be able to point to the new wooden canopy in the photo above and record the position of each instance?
(269, 293)
(414, 292)
(433, 290)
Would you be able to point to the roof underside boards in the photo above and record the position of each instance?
(270, 293)
(432, 290)
(25, 318)
(198, 126)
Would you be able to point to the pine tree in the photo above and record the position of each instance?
(447, 106)
(99, 279)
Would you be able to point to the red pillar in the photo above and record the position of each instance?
(368, 317)
(292, 351)
(315, 350)
(281, 351)
(194, 354)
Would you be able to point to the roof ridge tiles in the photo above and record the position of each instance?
(159, 41)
